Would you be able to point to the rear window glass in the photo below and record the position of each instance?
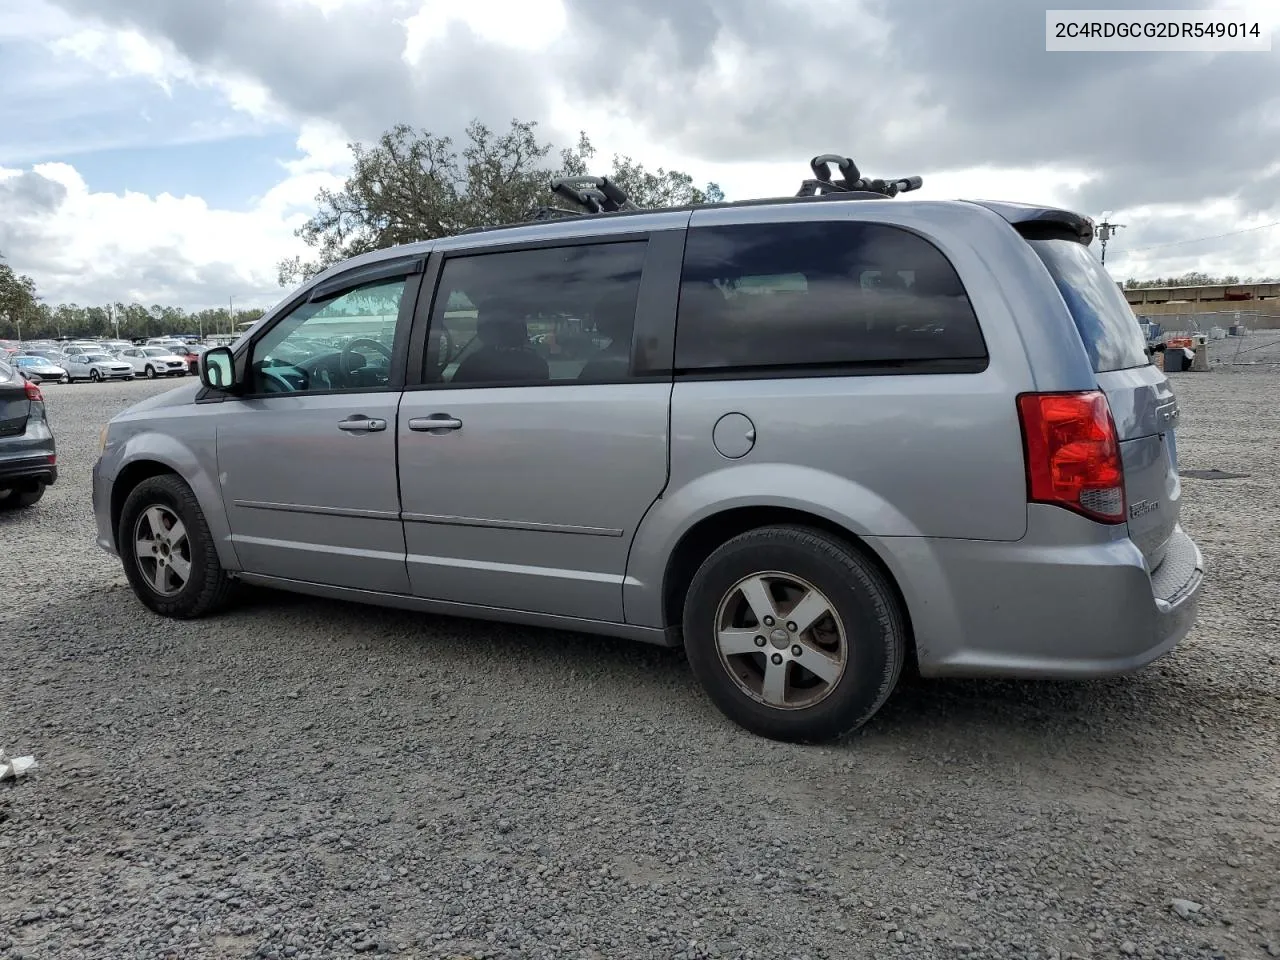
(822, 295)
(1106, 322)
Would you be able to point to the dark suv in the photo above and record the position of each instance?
(28, 456)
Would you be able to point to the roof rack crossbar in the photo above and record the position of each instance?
(599, 195)
(593, 194)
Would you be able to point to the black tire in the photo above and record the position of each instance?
(209, 587)
(151, 372)
(13, 499)
(874, 627)
(94, 376)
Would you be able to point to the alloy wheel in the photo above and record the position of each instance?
(781, 640)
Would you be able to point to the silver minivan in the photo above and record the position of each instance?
(807, 439)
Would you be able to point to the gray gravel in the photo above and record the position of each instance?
(309, 779)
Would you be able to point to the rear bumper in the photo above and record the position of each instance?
(1038, 609)
(28, 470)
(26, 458)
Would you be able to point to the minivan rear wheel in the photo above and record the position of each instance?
(793, 633)
(167, 550)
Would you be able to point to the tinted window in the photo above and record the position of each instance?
(822, 295)
(554, 314)
(342, 343)
(1107, 326)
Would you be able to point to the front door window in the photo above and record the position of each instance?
(344, 343)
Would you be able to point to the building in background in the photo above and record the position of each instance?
(1255, 306)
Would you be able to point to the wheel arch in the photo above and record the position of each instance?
(152, 454)
(704, 537)
(127, 480)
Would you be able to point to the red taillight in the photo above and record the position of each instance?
(1073, 453)
(33, 392)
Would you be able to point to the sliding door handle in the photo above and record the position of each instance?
(436, 422)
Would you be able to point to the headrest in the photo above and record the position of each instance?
(500, 328)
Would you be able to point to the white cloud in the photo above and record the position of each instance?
(95, 247)
(527, 25)
(121, 54)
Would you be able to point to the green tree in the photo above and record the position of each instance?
(1194, 279)
(412, 185)
(19, 305)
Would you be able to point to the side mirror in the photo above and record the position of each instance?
(218, 369)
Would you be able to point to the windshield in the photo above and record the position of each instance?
(95, 357)
(1107, 325)
(158, 352)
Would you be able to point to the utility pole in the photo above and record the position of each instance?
(1107, 230)
(231, 315)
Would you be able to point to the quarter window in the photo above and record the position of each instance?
(542, 316)
(342, 343)
(822, 295)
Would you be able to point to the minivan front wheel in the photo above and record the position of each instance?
(793, 634)
(168, 552)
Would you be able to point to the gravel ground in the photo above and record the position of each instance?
(308, 779)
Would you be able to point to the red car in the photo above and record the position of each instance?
(192, 355)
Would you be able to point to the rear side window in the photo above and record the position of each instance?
(1107, 325)
(822, 295)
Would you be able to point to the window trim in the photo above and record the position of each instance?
(655, 299)
(411, 269)
(918, 366)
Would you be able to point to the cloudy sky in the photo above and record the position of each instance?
(165, 151)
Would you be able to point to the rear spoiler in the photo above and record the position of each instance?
(1043, 223)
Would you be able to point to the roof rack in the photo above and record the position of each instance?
(852, 181)
(599, 195)
(592, 194)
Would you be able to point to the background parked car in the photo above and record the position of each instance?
(38, 366)
(77, 349)
(28, 455)
(153, 362)
(8, 347)
(97, 366)
(51, 352)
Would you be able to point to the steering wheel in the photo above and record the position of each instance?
(349, 350)
(274, 383)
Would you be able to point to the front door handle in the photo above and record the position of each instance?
(362, 424)
(437, 421)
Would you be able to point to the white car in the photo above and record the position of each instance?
(174, 345)
(154, 362)
(96, 367)
(77, 349)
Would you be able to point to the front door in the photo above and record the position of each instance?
(532, 450)
(307, 455)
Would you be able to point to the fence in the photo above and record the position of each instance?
(1234, 338)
